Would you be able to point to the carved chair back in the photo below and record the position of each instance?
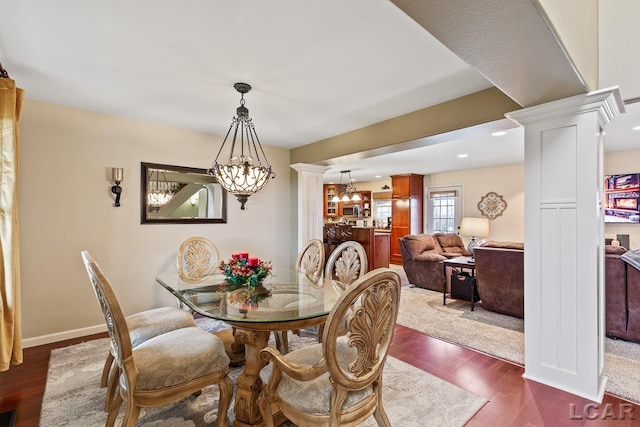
(347, 263)
(198, 258)
(370, 306)
(352, 390)
(311, 258)
(121, 348)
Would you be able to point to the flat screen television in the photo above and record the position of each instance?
(621, 197)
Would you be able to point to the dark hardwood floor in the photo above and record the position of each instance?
(512, 400)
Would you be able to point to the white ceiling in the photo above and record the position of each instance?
(318, 69)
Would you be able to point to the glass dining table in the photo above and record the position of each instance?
(286, 300)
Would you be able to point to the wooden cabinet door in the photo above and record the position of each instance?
(394, 246)
(381, 250)
(400, 186)
(400, 226)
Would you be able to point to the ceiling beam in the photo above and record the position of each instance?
(467, 111)
(513, 44)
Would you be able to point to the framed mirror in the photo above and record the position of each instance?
(177, 194)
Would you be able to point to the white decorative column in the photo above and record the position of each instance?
(310, 203)
(564, 239)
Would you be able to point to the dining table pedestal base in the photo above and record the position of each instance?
(249, 382)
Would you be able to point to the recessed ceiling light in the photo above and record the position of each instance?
(462, 156)
(636, 128)
(500, 133)
(378, 176)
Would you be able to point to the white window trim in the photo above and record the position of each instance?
(428, 220)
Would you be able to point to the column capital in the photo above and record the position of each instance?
(309, 168)
(606, 102)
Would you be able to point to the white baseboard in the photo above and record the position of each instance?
(61, 336)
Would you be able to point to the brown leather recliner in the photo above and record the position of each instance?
(622, 296)
(452, 245)
(422, 261)
(615, 291)
(633, 304)
(500, 276)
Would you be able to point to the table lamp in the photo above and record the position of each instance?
(474, 227)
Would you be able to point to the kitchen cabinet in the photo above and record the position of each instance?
(334, 209)
(364, 204)
(407, 192)
(331, 209)
(366, 201)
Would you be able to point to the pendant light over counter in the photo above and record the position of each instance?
(348, 190)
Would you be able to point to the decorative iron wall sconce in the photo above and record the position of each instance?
(117, 176)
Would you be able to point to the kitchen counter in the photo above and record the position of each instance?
(375, 242)
(376, 230)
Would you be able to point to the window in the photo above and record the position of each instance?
(444, 209)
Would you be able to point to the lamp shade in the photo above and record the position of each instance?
(474, 227)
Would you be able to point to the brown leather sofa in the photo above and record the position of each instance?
(500, 283)
(500, 276)
(422, 256)
(622, 296)
(633, 304)
(615, 291)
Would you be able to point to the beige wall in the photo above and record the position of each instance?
(373, 186)
(65, 206)
(621, 162)
(507, 181)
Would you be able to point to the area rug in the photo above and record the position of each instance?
(503, 336)
(73, 396)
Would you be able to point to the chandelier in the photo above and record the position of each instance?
(159, 192)
(348, 190)
(246, 169)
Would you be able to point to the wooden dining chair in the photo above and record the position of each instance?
(310, 260)
(143, 326)
(338, 381)
(197, 259)
(163, 369)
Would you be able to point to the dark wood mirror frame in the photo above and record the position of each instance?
(188, 184)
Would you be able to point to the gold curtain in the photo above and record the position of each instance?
(10, 318)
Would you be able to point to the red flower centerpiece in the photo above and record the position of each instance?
(243, 277)
(243, 271)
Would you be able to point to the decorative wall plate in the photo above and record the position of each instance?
(492, 205)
